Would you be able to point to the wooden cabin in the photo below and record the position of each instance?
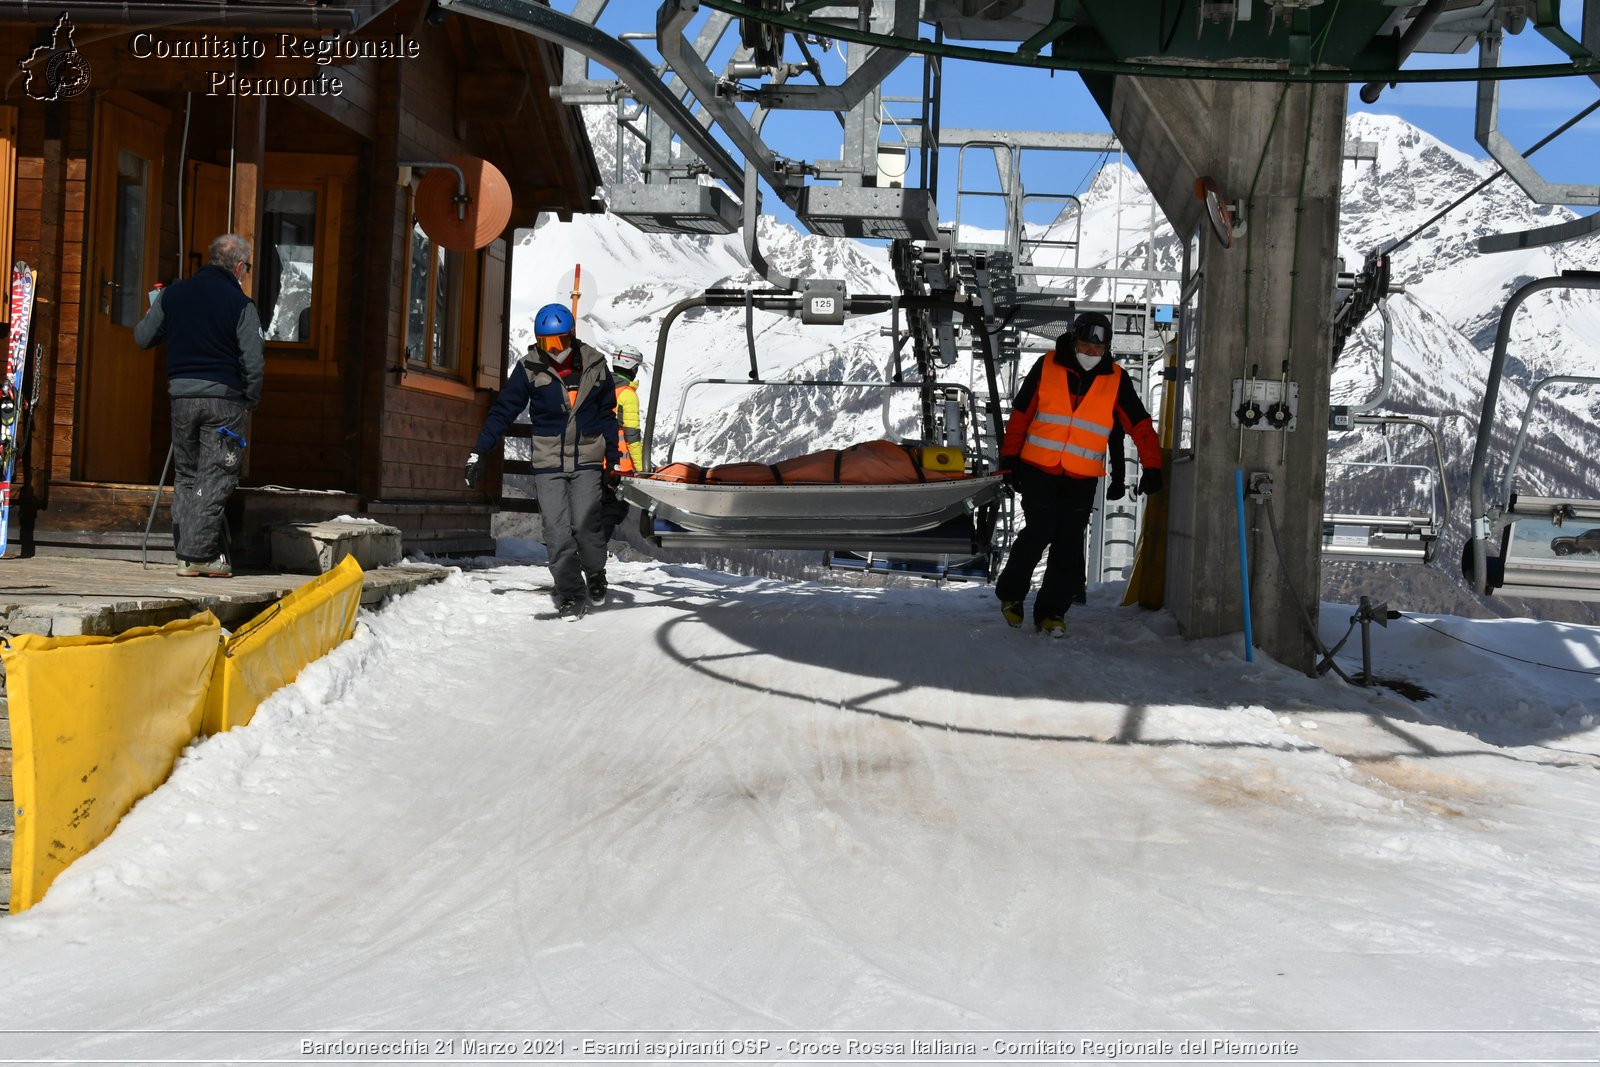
(136, 134)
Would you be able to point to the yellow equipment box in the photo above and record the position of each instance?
(941, 458)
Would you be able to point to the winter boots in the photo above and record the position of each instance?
(215, 568)
(573, 608)
(1051, 626)
(1012, 610)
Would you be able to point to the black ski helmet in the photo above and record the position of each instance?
(1092, 328)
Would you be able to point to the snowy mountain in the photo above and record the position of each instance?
(1415, 177)
(1443, 322)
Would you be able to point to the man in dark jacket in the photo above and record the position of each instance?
(215, 370)
(572, 403)
(1069, 406)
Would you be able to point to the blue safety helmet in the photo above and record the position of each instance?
(553, 320)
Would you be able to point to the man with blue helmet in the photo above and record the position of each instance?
(571, 400)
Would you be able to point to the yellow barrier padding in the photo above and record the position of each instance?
(268, 652)
(96, 723)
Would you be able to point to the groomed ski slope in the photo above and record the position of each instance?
(733, 804)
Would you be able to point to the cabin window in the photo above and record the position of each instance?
(127, 264)
(296, 259)
(286, 268)
(442, 307)
(433, 304)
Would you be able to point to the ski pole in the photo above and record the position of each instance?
(144, 546)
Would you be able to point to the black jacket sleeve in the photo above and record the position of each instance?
(507, 406)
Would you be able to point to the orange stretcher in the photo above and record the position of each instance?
(874, 497)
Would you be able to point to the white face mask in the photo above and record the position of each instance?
(1088, 362)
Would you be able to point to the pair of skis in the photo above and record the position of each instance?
(13, 406)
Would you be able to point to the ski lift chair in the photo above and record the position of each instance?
(940, 528)
(1411, 537)
(1544, 541)
(1549, 546)
(1562, 566)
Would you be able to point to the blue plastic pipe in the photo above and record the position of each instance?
(1244, 567)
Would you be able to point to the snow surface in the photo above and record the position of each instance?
(726, 806)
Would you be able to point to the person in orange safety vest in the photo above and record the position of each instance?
(1069, 406)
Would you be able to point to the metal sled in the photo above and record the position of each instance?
(929, 518)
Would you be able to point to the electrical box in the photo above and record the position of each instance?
(892, 163)
(822, 302)
(1264, 404)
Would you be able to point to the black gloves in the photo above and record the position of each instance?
(1150, 481)
(474, 468)
(1117, 490)
(613, 479)
(1009, 466)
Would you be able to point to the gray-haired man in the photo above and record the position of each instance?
(215, 370)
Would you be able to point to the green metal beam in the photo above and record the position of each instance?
(1066, 17)
(1547, 20)
(1376, 51)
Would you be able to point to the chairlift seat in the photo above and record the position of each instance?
(1586, 512)
(1379, 538)
(1570, 575)
(1569, 578)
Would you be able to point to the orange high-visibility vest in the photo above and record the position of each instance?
(1063, 438)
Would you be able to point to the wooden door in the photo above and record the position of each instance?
(118, 379)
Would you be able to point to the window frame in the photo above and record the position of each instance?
(458, 267)
(467, 278)
(325, 176)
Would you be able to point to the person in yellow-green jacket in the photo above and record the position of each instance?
(625, 364)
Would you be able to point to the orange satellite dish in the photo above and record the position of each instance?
(464, 227)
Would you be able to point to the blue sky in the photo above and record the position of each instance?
(1044, 100)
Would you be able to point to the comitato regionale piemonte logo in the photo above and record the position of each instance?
(56, 71)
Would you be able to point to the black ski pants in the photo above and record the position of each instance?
(1055, 514)
(205, 470)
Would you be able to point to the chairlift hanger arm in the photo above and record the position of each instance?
(1438, 449)
(1387, 373)
(1478, 535)
(1506, 487)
